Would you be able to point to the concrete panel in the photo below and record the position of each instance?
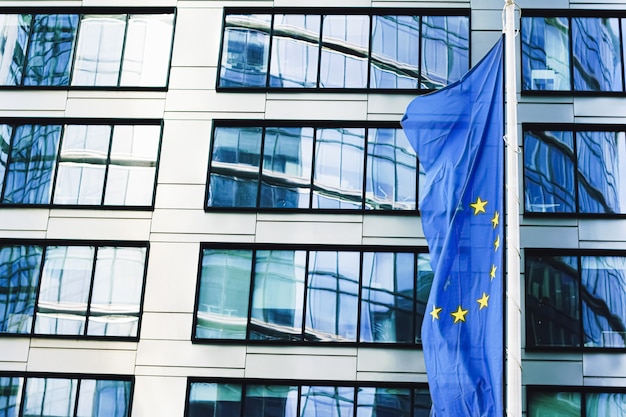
(392, 226)
(14, 349)
(549, 237)
(604, 365)
(315, 367)
(194, 27)
(185, 152)
(159, 396)
(599, 106)
(197, 221)
(24, 219)
(98, 229)
(487, 20)
(192, 78)
(317, 109)
(599, 229)
(172, 272)
(390, 377)
(189, 371)
(209, 100)
(33, 100)
(545, 113)
(166, 326)
(390, 360)
(552, 373)
(186, 354)
(311, 233)
(97, 361)
(119, 107)
(389, 106)
(180, 196)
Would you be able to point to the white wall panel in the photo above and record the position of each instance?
(166, 326)
(98, 361)
(33, 100)
(98, 229)
(211, 101)
(309, 232)
(548, 237)
(552, 372)
(185, 152)
(186, 354)
(199, 222)
(14, 350)
(331, 109)
(391, 360)
(192, 78)
(159, 396)
(180, 196)
(325, 367)
(603, 364)
(198, 34)
(599, 229)
(26, 220)
(116, 106)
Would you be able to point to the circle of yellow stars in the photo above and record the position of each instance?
(483, 302)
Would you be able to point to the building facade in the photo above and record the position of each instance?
(208, 208)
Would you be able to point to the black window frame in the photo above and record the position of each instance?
(570, 389)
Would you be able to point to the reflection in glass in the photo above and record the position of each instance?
(604, 301)
(19, 277)
(147, 50)
(277, 298)
(295, 47)
(234, 171)
(597, 56)
(212, 399)
(445, 50)
(82, 165)
(332, 296)
(102, 398)
(423, 283)
(422, 403)
(271, 401)
(50, 397)
(605, 404)
(10, 392)
(99, 50)
(223, 295)
(14, 32)
(286, 175)
(601, 165)
(395, 52)
(554, 404)
(245, 51)
(116, 295)
(338, 172)
(552, 301)
(545, 53)
(5, 142)
(31, 164)
(549, 172)
(391, 171)
(394, 402)
(327, 401)
(345, 46)
(387, 297)
(50, 49)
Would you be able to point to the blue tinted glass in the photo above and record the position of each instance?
(295, 51)
(19, 277)
(549, 172)
(545, 53)
(14, 31)
(270, 401)
(9, 395)
(604, 301)
(31, 165)
(424, 283)
(605, 404)
(50, 397)
(445, 50)
(102, 398)
(395, 52)
(245, 51)
(554, 404)
(5, 141)
(327, 402)
(235, 167)
(597, 55)
(392, 402)
(214, 400)
(50, 50)
(391, 171)
(332, 296)
(422, 403)
(601, 157)
(345, 42)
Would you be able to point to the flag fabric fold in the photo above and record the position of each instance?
(457, 133)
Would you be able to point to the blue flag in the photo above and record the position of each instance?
(457, 133)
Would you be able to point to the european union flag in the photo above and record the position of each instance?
(457, 133)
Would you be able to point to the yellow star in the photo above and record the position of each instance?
(495, 219)
(496, 244)
(459, 315)
(492, 273)
(478, 206)
(483, 301)
(435, 312)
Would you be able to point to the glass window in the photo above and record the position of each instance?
(554, 404)
(345, 45)
(423, 283)
(270, 401)
(445, 50)
(5, 143)
(223, 295)
(103, 398)
(605, 404)
(384, 402)
(50, 397)
(14, 32)
(317, 401)
(212, 399)
(10, 388)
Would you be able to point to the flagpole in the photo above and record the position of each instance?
(513, 309)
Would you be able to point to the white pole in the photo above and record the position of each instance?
(513, 309)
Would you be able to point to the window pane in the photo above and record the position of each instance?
(554, 404)
(223, 297)
(605, 404)
(445, 50)
(50, 50)
(14, 32)
(395, 52)
(391, 171)
(387, 402)
(424, 283)
(332, 296)
(245, 52)
(601, 157)
(19, 277)
(99, 50)
(32, 163)
(147, 50)
(295, 51)
(102, 398)
(271, 401)
(10, 392)
(545, 53)
(327, 402)
(338, 174)
(82, 165)
(604, 301)
(287, 158)
(549, 172)
(132, 170)
(65, 283)
(597, 54)
(235, 167)
(422, 403)
(210, 399)
(5, 142)
(50, 397)
(552, 300)
(278, 296)
(117, 288)
(345, 41)
(387, 297)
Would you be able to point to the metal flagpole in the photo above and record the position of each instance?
(513, 309)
